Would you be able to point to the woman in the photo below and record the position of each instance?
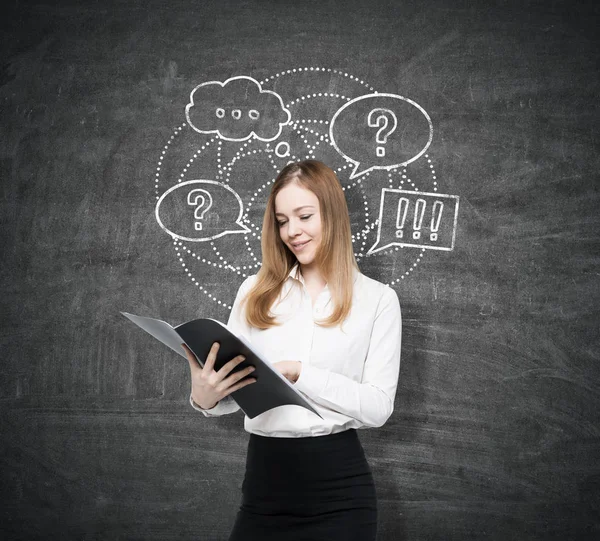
(336, 334)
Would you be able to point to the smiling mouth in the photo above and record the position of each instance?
(298, 246)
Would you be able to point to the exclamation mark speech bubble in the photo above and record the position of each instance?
(416, 219)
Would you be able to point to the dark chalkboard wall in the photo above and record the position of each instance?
(496, 431)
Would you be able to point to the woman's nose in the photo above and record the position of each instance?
(293, 228)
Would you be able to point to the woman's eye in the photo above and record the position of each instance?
(280, 224)
(305, 217)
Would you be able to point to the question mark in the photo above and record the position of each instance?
(199, 213)
(382, 121)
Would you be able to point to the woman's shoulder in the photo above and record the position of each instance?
(374, 289)
(370, 284)
(248, 282)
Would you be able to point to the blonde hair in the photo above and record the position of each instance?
(335, 255)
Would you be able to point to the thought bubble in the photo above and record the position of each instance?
(380, 131)
(237, 110)
(416, 219)
(200, 210)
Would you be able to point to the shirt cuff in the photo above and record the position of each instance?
(223, 407)
(208, 413)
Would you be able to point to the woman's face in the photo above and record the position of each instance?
(299, 218)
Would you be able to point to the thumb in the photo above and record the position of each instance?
(193, 362)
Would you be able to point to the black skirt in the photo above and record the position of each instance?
(307, 489)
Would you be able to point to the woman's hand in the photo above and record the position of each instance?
(289, 369)
(210, 386)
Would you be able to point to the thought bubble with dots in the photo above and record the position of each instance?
(237, 110)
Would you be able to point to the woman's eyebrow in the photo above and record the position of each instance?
(296, 209)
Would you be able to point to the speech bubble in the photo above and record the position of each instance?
(416, 219)
(200, 210)
(237, 110)
(380, 131)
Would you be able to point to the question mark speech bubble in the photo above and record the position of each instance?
(225, 217)
(201, 209)
(404, 132)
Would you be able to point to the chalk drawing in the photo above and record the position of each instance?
(172, 217)
(425, 212)
(282, 149)
(380, 118)
(264, 121)
(346, 121)
(200, 209)
(369, 138)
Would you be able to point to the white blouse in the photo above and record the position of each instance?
(349, 373)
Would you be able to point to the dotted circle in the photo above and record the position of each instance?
(304, 128)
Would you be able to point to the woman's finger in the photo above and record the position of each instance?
(235, 377)
(229, 366)
(211, 357)
(238, 385)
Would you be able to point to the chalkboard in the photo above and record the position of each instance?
(138, 144)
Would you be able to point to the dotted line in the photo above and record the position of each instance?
(358, 183)
(309, 130)
(435, 186)
(193, 158)
(405, 178)
(179, 248)
(412, 267)
(229, 265)
(360, 235)
(179, 244)
(311, 121)
(316, 95)
(270, 153)
(176, 132)
(367, 229)
(309, 69)
(219, 169)
(238, 156)
(311, 148)
(266, 186)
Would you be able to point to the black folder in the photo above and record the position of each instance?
(270, 390)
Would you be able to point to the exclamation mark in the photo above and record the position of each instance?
(436, 216)
(418, 219)
(401, 216)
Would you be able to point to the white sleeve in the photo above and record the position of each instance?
(223, 407)
(370, 401)
(237, 324)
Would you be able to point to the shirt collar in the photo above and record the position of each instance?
(295, 273)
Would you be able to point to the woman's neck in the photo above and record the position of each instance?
(312, 276)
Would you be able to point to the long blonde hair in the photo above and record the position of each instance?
(335, 255)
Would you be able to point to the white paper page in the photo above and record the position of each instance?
(160, 330)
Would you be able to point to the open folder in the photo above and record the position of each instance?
(270, 390)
